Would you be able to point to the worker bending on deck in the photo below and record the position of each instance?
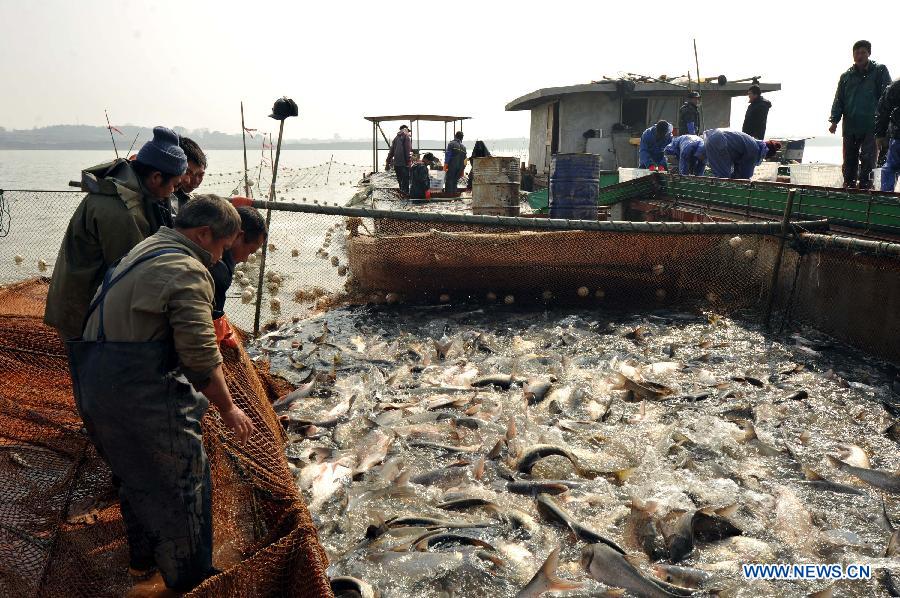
(147, 353)
(249, 239)
(887, 130)
(690, 152)
(653, 144)
(734, 154)
(689, 115)
(454, 162)
(126, 202)
(400, 156)
(193, 176)
(757, 113)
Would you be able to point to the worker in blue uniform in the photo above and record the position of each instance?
(691, 153)
(733, 154)
(653, 144)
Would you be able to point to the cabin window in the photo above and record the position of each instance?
(634, 113)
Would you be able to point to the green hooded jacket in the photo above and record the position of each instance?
(115, 215)
(857, 97)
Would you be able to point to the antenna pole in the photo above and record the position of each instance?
(109, 128)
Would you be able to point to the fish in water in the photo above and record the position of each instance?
(883, 480)
(612, 568)
(546, 580)
(686, 577)
(551, 511)
(464, 486)
(372, 450)
(345, 586)
(536, 389)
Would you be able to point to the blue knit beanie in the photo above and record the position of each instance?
(163, 152)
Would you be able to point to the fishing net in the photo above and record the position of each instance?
(61, 532)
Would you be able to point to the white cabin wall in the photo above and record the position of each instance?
(716, 110)
(538, 140)
(579, 112)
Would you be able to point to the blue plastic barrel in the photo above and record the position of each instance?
(574, 186)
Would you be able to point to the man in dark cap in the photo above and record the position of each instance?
(400, 157)
(757, 113)
(653, 145)
(689, 115)
(855, 101)
(193, 176)
(126, 203)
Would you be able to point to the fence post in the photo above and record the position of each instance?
(262, 264)
(785, 228)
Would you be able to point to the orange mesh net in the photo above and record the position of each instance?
(61, 532)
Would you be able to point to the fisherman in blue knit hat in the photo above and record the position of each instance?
(127, 201)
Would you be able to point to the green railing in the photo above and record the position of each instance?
(873, 211)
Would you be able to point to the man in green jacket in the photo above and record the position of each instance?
(855, 100)
(126, 202)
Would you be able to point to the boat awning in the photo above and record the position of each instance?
(661, 88)
(408, 117)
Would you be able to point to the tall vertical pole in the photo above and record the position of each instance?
(374, 148)
(776, 269)
(244, 139)
(697, 64)
(265, 247)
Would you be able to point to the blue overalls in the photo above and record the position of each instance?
(144, 419)
(733, 154)
(691, 154)
(651, 149)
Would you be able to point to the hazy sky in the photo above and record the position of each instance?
(191, 62)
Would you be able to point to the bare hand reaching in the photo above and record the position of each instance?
(239, 423)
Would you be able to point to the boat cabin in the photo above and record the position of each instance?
(607, 117)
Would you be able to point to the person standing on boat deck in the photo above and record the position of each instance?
(400, 156)
(691, 154)
(144, 373)
(689, 115)
(887, 130)
(757, 113)
(855, 101)
(734, 154)
(653, 144)
(454, 162)
(127, 201)
(193, 176)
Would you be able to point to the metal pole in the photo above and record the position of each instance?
(374, 148)
(109, 128)
(328, 174)
(776, 269)
(697, 64)
(265, 247)
(244, 139)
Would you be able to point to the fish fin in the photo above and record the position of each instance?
(511, 428)
(479, 468)
(548, 572)
(835, 461)
(810, 474)
(727, 511)
(613, 593)
(826, 593)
